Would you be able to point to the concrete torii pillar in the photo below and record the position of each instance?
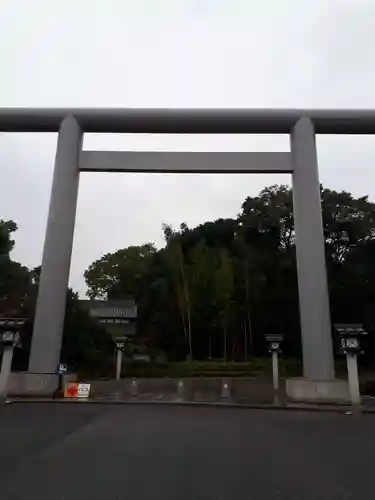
(311, 260)
(54, 278)
(318, 383)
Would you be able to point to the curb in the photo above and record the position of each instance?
(290, 407)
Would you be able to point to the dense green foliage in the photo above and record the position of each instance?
(256, 367)
(214, 290)
(85, 344)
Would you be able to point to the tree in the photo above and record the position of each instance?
(15, 279)
(6, 243)
(175, 261)
(267, 219)
(266, 240)
(200, 276)
(349, 230)
(120, 274)
(86, 345)
(223, 290)
(347, 222)
(236, 278)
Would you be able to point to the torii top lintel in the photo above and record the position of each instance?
(188, 121)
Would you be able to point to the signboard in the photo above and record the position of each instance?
(83, 391)
(62, 368)
(76, 390)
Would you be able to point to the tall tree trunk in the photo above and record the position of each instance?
(225, 343)
(180, 302)
(247, 292)
(189, 322)
(245, 340)
(233, 349)
(188, 312)
(250, 329)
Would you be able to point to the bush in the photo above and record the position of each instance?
(215, 368)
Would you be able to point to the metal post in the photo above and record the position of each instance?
(275, 370)
(6, 365)
(118, 364)
(225, 391)
(54, 278)
(275, 374)
(180, 390)
(134, 388)
(355, 396)
(311, 265)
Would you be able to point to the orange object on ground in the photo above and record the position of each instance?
(71, 390)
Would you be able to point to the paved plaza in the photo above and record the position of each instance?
(84, 451)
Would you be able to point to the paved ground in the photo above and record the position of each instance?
(88, 452)
(193, 389)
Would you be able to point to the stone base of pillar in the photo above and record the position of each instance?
(26, 384)
(318, 391)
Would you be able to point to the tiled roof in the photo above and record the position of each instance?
(111, 308)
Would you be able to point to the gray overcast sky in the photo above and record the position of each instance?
(174, 53)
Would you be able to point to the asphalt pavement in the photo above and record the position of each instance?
(82, 451)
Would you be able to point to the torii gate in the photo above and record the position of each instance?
(301, 162)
